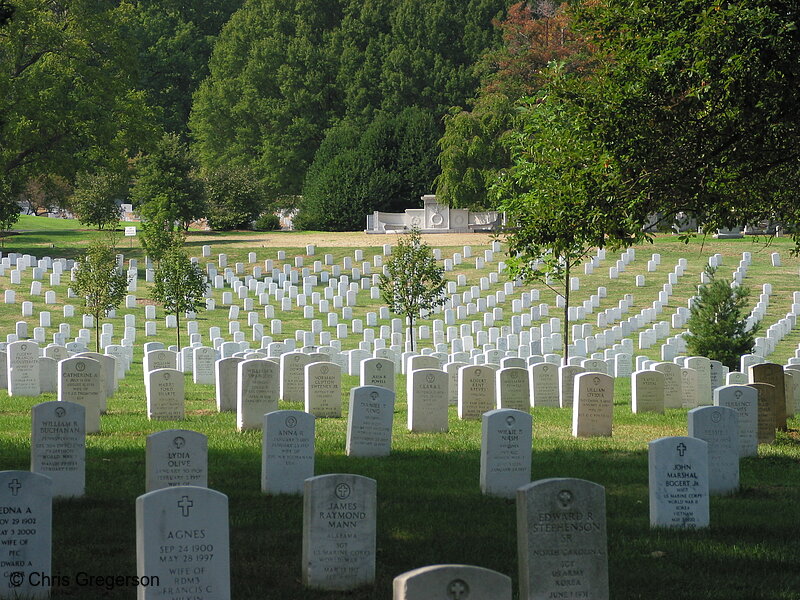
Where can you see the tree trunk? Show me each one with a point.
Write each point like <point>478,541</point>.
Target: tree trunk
<point>97,333</point>
<point>411,330</point>
<point>178,325</point>
<point>566,336</point>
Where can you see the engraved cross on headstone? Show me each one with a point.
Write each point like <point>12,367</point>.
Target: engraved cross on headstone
<point>14,486</point>
<point>457,590</point>
<point>185,504</point>
<point>681,449</point>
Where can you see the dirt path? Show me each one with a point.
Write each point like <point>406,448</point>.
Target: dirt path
<point>298,239</point>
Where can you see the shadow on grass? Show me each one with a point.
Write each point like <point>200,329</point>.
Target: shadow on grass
<point>430,510</point>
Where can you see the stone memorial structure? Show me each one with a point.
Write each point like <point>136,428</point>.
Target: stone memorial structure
<point>377,371</point>
<point>476,391</point>
<point>434,218</point>
<point>23,368</point>
<point>427,401</point>
<point>323,389</point>
<point>744,400</point>
<point>226,374</point>
<point>544,380</point>
<point>165,395</point>
<point>80,380</point>
<point>513,389</point>
<point>766,410</point>
<point>647,392</point>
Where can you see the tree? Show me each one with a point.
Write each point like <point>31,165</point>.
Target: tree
<point>557,197</point>
<point>166,193</point>
<point>95,198</point>
<point>174,42</point>
<point>9,212</point>
<point>535,35</point>
<point>413,282</point>
<point>6,12</point>
<point>718,325</point>
<point>387,165</point>
<point>46,193</point>
<point>698,100</point>
<point>180,285</point>
<point>99,280</point>
<point>283,73</point>
<point>234,198</point>
<point>69,100</point>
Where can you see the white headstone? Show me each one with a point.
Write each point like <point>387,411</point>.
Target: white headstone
<point>165,395</point>
<point>427,391</point>
<point>678,481</point>
<point>593,405</point>
<point>506,437</point>
<point>58,446</point>
<point>561,540</point>
<point>23,368</point>
<point>718,426</point>
<point>257,393</point>
<point>287,451</point>
<point>182,544</point>
<point>744,400</point>
<point>323,389</point>
<point>80,380</point>
<point>26,534</point>
<point>440,582</point>
<point>369,421</point>
<point>332,505</point>
<point>176,457</point>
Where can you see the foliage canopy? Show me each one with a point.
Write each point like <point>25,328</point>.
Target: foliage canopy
<point>413,281</point>
<point>718,325</point>
<point>101,283</point>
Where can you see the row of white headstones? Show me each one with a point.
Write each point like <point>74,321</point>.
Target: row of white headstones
<point>421,374</point>
<point>183,524</point>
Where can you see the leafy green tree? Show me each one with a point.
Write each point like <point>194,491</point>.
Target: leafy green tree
<point>95,198</point>
<point>718,325</point>
<point>234,198</point>
<point>282,73</point>
<point>180,286</point>
<point>9,212</point>
<point>6,12</point>
<point>102,284</point>
<point>46,193</point>
<point>557,198</point>
<point>270,94</point>
<point>472,149</point>
<point>386,166</point>
<point>698,101</point>
<point>69,91</point>
<point>166,193</point>
<point>414,282</point>
<point>174,44</point>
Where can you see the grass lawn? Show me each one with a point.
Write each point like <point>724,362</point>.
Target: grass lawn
<point>430,509</point>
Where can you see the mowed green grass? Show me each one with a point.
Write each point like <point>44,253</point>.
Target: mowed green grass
<point>430,509</point>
